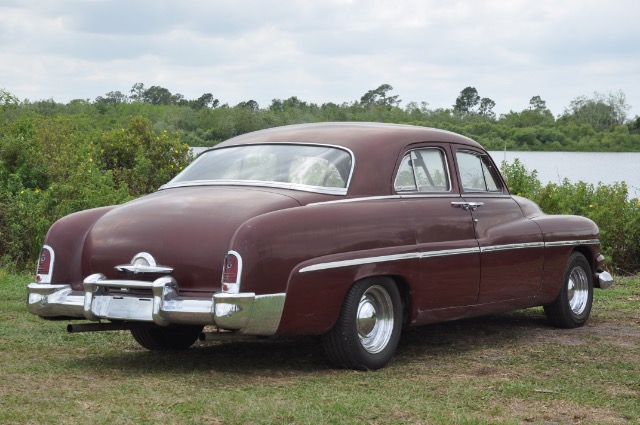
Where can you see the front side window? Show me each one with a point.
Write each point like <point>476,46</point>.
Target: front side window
<point>477,173</point>
<point>286,165</point>
<point>423,170</point>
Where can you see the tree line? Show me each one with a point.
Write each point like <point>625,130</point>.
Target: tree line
<point>589,123</point>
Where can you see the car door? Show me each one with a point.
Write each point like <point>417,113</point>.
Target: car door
<point>445,237</point>
<point>511,246</point>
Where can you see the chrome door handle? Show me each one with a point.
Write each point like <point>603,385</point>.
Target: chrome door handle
<point>468,205</point>
<point>474,205</point>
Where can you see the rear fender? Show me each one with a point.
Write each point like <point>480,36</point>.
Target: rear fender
<point>67,237</point>
<point>315,296</point>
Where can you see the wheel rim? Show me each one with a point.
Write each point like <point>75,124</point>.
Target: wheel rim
<point>578,290</point>
<point>375,319</point>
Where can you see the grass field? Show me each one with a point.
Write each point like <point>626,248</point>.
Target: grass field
<point>510,368</point>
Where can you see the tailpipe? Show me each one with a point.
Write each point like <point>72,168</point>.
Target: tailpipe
<point>105,327</point>
<point>225,336</point>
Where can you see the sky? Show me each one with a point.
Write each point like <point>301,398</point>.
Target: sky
<point>324,50</point>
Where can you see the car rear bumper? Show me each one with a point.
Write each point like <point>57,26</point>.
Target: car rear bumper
<point>246,313</point>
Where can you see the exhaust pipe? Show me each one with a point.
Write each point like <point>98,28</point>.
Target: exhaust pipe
<point>225,336</point>
<point>103,327</point>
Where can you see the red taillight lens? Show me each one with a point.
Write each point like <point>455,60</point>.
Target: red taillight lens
<point>44,265</point>
<point>231,272</point>
<point>231,268</point>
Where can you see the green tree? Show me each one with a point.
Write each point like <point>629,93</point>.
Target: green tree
<point>137,92</point>
<point>537,104</point>
<point>634,126</point>
<point>600,111</point>
<point>467,100</point>
<point>157,95</point>
<point>486,107</point>
<point>205,101</point>
<point>7,100</point>
<point>250,105</point>
<point>379,96</point>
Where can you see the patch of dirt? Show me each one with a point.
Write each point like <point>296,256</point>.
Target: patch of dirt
<point>560,412</point>
<point>518,327</point>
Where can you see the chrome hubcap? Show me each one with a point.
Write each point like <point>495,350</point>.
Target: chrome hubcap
<point>578,290</point>
<point>375,319</point>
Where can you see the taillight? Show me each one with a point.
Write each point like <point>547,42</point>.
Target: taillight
<point>45,265</point>
<point>231,272</point>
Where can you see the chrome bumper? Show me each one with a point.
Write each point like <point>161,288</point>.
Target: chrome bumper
<point>246,313</point>
<point>604,280</point>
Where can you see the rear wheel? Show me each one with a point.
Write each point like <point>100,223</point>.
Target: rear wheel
<point>167,338</point>
<point>573,305</point>
<point>367,332</point>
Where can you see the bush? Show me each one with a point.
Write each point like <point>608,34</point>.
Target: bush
<point>609,206</point>
<point>51,167</point>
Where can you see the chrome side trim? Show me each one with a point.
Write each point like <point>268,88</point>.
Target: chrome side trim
<point>445,252</point>
<point>575,242</point>
<point>439,253</point>
<point>512,246</point>
<point>359,261</point>
<point>387,258</point>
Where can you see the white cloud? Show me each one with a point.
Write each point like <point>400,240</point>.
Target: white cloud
<point>329,51</point>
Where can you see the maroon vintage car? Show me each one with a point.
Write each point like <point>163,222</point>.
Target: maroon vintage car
<point>351,231</point>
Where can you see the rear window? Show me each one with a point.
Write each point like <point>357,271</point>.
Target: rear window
<point>308,166</point>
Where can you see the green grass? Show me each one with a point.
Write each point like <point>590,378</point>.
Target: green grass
<point>510,368</point>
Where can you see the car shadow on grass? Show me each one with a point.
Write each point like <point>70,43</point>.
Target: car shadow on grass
<point>305,354</point>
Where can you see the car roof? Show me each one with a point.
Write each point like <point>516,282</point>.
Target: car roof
<point>376,146</point>
<point>351,135</point>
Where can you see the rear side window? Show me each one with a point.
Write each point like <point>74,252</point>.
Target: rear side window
<point>477,173</point>
<point>423,170</point>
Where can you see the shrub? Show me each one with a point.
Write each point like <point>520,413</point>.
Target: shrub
<point>51,167</point>
<point>609,206</point>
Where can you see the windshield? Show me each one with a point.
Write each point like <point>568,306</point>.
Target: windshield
<point>304,167</point>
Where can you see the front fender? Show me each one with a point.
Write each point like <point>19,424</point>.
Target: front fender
<point>564,234</point>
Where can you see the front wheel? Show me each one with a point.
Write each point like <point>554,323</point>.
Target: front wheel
<point>573,305</point>
<point>366,334</point>
<point>167,338</point>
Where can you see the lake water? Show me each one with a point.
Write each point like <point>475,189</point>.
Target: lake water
<point>590,167</point>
